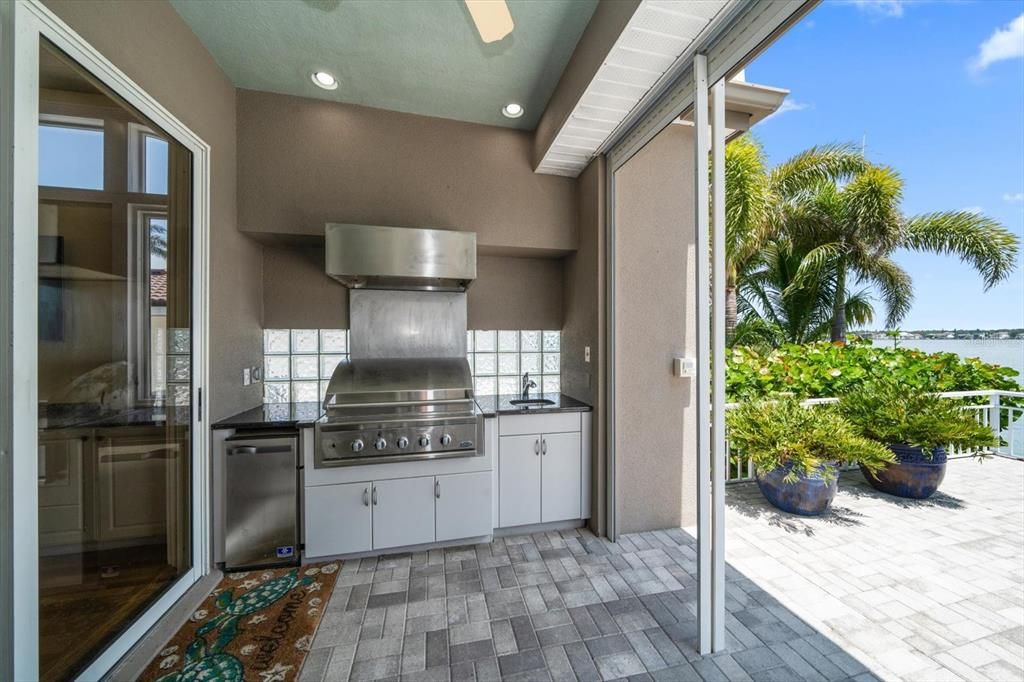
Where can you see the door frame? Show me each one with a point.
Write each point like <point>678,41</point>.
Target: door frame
<point>24,24</point>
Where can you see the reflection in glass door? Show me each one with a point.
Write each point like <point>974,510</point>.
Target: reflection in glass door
<point>115,352</point>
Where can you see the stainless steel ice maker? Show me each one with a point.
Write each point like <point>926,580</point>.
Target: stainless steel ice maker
<point>261,508</point>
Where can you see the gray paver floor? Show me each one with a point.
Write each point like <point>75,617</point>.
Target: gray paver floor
<point>916,590</point>
<point>557,606</point>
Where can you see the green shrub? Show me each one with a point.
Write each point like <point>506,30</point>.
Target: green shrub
<point>891,412</point>
<point>774,433</point>
<point>825,370</point>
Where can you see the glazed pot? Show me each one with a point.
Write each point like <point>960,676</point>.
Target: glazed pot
<point>913,475</point>
<point>809,495</point>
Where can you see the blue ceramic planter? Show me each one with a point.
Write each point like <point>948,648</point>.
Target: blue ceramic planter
<point>914,475</point>
<point>808,496</point>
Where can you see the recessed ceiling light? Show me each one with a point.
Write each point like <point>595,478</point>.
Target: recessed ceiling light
<point>324,80</point>
<point>512,110</point>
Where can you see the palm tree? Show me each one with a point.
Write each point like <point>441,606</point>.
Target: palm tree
<point>776,312</point>
<point>849,232</point>
<point>753,201</point>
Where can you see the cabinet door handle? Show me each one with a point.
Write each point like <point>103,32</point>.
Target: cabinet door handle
<point>375,496</point>
<point>366,497</point>
<point>544,446</point>
<point>437,489</point>
<point>536,447</point>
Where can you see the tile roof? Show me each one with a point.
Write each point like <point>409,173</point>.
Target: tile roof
<point>158,287</point>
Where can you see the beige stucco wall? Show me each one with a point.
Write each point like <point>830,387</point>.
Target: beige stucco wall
<point>509,293</point>
<point>165,58</point>
<point>304,162</point>
<point>654,322</point>
<point>584,323</point>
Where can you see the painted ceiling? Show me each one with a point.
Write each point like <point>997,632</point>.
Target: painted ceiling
<point>416,56</point>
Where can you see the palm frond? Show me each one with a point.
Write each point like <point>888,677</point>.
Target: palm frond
<point>976,239</point>
<point>893,284</point>
<point>828,163</point>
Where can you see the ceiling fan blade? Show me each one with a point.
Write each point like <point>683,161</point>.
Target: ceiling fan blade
<point>492,18</point>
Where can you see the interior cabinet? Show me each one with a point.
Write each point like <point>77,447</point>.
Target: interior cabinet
<point>403,512</point>
<point>342,520</point>
<point>62,488</point>
<point>462,504</point>
<point>134,472</point>
<point>519,476</point>
<point>560,477</point>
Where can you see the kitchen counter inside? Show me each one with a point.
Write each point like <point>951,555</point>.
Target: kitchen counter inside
<point>492,405</point>
<point>60,416</point>
<point>274,416</point>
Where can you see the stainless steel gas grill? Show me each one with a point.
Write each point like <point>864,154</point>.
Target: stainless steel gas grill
<point>398,409</point>
<point>406,393</point>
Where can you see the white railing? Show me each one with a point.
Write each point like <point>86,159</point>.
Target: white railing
<point>992,413</point>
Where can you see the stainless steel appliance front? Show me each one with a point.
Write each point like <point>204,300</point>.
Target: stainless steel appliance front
<point>261,507</point>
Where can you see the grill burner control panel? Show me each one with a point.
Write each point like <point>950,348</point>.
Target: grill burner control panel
<point>342,444</point>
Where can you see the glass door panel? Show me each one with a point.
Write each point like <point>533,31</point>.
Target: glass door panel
<point>115,355</point>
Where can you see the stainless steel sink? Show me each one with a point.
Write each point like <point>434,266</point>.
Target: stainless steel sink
<point>532,402</point>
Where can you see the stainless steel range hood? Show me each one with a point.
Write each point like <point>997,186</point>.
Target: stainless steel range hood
<point>378,257</point>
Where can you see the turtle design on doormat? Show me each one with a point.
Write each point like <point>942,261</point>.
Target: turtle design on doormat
<point>205,661</point>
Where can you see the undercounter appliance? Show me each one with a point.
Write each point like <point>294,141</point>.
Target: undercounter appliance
<point>406,391</point>
<point>261,510</point>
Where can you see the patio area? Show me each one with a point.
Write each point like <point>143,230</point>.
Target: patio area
<point>915,590</point>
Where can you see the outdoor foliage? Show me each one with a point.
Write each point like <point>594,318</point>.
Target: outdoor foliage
<point>893,413</point>
<point>776,433</point>
<point>825,370</point>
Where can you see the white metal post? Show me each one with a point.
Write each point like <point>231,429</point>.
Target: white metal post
<point>718,443</point>
<point>705,541</point>
<point>995,421</point>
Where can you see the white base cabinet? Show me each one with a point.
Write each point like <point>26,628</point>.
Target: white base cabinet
<point>541,469</point>
<point>338,516</point>
<point>462,506</point>
<point>347,518</point>
<point>560,477</point>
<point>403,512</point>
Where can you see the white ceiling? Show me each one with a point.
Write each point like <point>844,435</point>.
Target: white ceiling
<point>657,35</point>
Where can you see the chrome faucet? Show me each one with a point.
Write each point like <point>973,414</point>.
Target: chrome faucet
<point>528,383</point>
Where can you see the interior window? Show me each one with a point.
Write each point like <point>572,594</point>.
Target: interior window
<point>155,173</point>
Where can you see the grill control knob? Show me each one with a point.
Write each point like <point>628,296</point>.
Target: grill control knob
<point>357,445</point>
<point>446,440</point>
<point>424,440</point>
<point>380,443</point>
<point>403,442</point>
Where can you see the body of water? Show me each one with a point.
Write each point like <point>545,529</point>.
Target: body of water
<point>1004,352</point>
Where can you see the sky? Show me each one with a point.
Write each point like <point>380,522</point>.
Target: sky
<point>933,89</point>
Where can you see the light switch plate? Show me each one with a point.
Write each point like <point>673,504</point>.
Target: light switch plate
<point>586,353</point>
<point>246,376</point>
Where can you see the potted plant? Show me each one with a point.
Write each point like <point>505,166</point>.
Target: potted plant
<point>796,451</point>
<point>917,427</point>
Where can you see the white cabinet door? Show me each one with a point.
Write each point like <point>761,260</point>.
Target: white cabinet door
<point>561,476</point>
<point>403,512</point>
<point>463,505</point>
<point>519,480</point>
<point>338,519</point>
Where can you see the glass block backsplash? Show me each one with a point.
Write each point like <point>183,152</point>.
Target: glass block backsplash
<point>297,363</point>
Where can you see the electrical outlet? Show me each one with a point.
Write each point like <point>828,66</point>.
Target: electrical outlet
<point>586,353</point>
<point>246,376</point>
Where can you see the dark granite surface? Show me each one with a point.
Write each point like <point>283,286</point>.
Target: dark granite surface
<point>282,415</point>
<point>55,416</point>
<point>491,405</point>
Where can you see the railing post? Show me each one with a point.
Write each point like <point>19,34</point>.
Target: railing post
<point>995,419</point>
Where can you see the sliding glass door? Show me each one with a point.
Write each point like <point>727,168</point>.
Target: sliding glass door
<point>115,345</point>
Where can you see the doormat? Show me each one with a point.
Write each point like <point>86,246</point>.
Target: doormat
<point>256,626</point>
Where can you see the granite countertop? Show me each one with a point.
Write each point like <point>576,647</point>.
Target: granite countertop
<point>56,416</point>
<point>491,405</point>
<point>278,415</point>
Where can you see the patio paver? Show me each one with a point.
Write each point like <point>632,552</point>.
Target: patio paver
<point>914,590</point>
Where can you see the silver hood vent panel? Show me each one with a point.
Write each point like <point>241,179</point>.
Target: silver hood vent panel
<point>378,257</point>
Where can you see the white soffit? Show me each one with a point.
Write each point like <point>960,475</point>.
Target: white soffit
<point>657,35</point>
